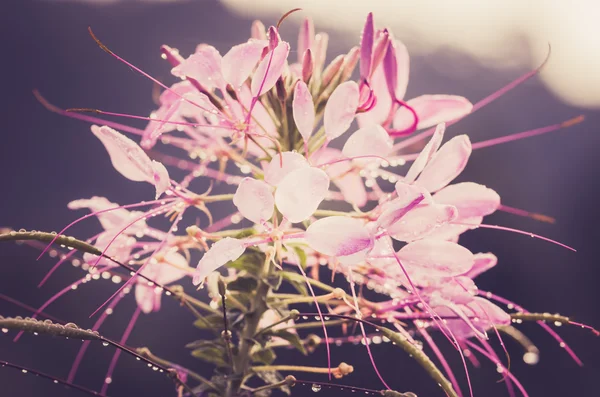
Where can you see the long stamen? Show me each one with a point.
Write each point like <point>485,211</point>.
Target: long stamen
<point>89,119</point>
<point>144,203</point>
<point>485,101</point>
<point>509,229</point>
<point>113,362</point>
<point>107,50</point>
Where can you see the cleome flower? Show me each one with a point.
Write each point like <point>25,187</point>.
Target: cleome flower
<point>300,191</point>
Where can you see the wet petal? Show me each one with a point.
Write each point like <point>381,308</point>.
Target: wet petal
<point>173,267</point>
<point>366,47</point>
<point>239,62</point>
<point>282,164</point>
<point>409,197</point>
<point>436,258</point>
<point>426,154</point>
<point>471,199</point>
<point>340,109</point>
<point>303,110</point>
<point>368,141</point>
<point>446,164</point>
<point>432,110</point>
<point>300,193</point>
<point>254,199</point>
<point>306,35</point>
<point>160,178</point>
<point>221,252</point>
<point>120,248</point>
<point>270,69</point>
<point>450,231</point>
<point>352,188</point>
<point>483,262</point>
<point>130,160</point>
<point>203,66</point>
<point>421,221</point>
<point>403,68</point>
<point>146,298</point>
<point>378,113</point>
<point>339,236</point>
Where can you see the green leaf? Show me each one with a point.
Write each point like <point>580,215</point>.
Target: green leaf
<point>296,280</point>
<point>264,356</point>
<point>212,354</point>
<point>301,253</point>
<point>201,343</point>
<point>243,284</point>
<point>251,261</point>
<point>209,322</point>
<point>292,338</point>
<point>274,281</point>
<point>272,377</point>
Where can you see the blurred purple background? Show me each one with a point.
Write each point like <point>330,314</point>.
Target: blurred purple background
<point>47,160</point>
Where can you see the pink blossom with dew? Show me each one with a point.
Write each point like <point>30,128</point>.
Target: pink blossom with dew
<point>257,127</point>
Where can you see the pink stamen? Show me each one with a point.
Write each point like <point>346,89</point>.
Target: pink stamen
<point>113,362</point>
<point>86,344</point>
<point>485,101</point>
<point>508,229</point>
<point>362,330</point>
<point>89,119</point>
<point>105,48</point>
<point>542,324</point>
<point>100,212</point>
<point>441,358</point>
<point>312,292</point>
<point>499,364</point>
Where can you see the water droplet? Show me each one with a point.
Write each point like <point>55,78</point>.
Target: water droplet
<point>563,344</point>
<point>24,371</point>
<point>104,344</point>
<point>316,388</point>
<point>55,381</point>
<point>557,323</point>
<point>5,330</point>
<point>108,380</point>
<point>22,230</point>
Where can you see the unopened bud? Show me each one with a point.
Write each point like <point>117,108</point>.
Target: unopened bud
<point>280,87</point>
<point>332,70</point>
<point>381,46</point>
<point>258,31</point>
<point>307,65</point>
<point>290,380</point>
<point>350,62</point>
<point>338,293</point>
<point>222,287</point>
<point>294,314</point>
<point>274,37</point>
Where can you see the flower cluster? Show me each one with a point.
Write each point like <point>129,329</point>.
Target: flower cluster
<point>267,130</point>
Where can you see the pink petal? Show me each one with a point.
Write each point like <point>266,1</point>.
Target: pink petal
<point>221,252</point>
<point>160,178</point>
<point>120,249</point>
<point>421,221</point>
<point>282,164</point>
<point>254,199</point>
<point>396,209</point>
<point>426,154</point>
<point>471,199</point>
<point>146,298</point>
<point>366,47</point>
<point>339,236</point>
<point>203,66</point>
<point>446,164</point>
<point>378,113</point>
<point>130,160</point>
<point>303,110</point>
<point>341,174</point>
<point>483,262</point>
<point>270,69</point>
<point>240,61</point>
<point>368,141</point>
<point>436,258</point>
<point>300,193</point>
<point>390,68</point>
<point>403,68</point>
<point>305,37</point>
<point>174,267</point>
<point>340,109</point>
<point>432,110</point>
<point>110,220</point>
<point>450,231</point>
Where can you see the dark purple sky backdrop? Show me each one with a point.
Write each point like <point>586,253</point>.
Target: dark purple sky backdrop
<point>47,160</point>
